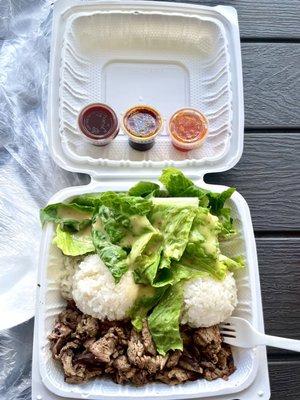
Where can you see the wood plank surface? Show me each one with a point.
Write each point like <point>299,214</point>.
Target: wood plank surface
<point>266,18</point>
<point>271,84</point>
<point>279,268</point>
<point>268,176</point>
<point>285,380</point>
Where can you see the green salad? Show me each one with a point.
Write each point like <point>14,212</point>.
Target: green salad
<point>164,236</point>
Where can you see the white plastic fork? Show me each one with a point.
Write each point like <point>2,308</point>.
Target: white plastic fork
<point>240,333</point>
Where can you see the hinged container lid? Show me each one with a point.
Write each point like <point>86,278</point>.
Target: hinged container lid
<point>166,55</point>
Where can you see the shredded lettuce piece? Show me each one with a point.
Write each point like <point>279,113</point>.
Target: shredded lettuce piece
<point>233,264</point>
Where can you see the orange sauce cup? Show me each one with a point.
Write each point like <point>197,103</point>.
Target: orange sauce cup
<point>188,129</point>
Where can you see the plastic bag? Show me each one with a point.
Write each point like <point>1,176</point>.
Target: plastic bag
<point>28,178</point>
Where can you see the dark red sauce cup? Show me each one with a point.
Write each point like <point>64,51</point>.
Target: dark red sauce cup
<point>99,123</point>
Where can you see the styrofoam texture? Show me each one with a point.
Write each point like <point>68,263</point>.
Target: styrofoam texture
<point>50,303</point>
<point>124,58</point>
<point>165,54</point>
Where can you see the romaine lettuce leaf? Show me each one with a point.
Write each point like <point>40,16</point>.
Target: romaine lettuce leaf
<point>181,272</point>
<point>194,257</point>
<point>74,244</point>
<point>113,256</point>
<point>124,204</point>
<point>144,189</point>
<point>204,231</point>
<point>116,225</point>
<point>216,204</point>
<point>144,257</point>
<point>233,264</point>
<point>71,217</point>
<point>88,199</point>
<point>143,305</point>
<point>139,226</point>
<point>226,221</point>
<point>163,322</point>
<point>176,201</point>
<point>178,185</point>
<point>174,223</point>
<point>217,200</point>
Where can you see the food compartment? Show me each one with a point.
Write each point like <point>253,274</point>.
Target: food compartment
<point>165,60</point>
<point>51,303</point>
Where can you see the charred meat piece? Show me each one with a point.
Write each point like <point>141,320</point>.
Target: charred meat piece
<point>103,348</point>
<point>141,377</point>
<point>122,364</point>
<point>206,336</point>
<point>176,375</point>
<point>87,327</point>
<point>124,376</point>
<point>136,355</point>
<point>190,363</point>
<point>60,331</point>
<point>58,338</point>
<point>173,359</point>
<point>147,340</point>
<point>70,317</point>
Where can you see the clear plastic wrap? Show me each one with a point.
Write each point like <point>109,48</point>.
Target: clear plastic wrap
<point>28,178</point>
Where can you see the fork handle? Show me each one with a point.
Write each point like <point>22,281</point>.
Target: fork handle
<point>279,342</point>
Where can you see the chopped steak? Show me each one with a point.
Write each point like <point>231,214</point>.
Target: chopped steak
<point>87,359</point>
<point>88,348</point>
<point>122,364</point>
<point>89,342</point>
<point>147,340</point>
<point>124,376</point>
<point>173,359</point>
<point>70,318</point>
<point>190,363</point>
<point>136,355</point>
<point>60,331</point>
<point>105,346</point>
<point>176,375</point>
<point>206,336</point>
<point>141,377</point>
<point>87,327</point>
<point>135,349</point>
<point>59,337</point>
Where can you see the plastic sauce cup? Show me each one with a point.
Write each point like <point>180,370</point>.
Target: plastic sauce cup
<point>99,123</point>
<point>188,128</point>
<point>142,124</point>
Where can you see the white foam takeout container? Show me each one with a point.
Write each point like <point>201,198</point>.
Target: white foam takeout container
<point>169,56</point>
